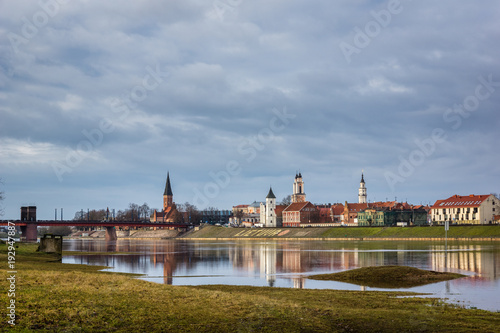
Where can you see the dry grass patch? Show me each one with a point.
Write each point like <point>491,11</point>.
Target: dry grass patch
<point>388,276</point>
<point>58,297</point>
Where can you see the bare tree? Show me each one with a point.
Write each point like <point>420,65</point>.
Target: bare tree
<point>60,230</point>
<point>145,211</point>
<point>286,200</point>
<point>92,215</point>
<point>239,214</point>
<point>192,214</point>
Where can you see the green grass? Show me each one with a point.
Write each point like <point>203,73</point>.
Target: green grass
<point>388,276</point>
<point>477,231</point>
<point>55,297</point>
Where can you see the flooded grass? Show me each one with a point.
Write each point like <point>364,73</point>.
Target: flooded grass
<point>388,276</point>
<point>51,296</point>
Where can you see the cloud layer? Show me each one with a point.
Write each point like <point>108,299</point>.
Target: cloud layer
<point>99,99</point>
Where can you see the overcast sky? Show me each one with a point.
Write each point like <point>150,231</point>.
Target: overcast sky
<point>99,99</point>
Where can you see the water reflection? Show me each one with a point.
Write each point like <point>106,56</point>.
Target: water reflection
<point>287,263</point>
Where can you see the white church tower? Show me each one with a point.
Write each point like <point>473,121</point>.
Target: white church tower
<point>362,190</point>
<point>298,189</point>
<point>270,209</point>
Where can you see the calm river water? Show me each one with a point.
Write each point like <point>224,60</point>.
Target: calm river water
<point>288,263</point>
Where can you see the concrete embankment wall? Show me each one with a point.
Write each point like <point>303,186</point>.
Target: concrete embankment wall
<point>130,234</point>
<point>461,233</point>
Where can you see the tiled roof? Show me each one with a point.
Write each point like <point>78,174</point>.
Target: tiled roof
<point>296,206</point>
<point>338,209</point>
<point>461,201</point>
<point>279,209</point>
<point>357,207</point>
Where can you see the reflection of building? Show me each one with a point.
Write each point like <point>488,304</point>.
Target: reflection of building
<point>472,209</point>
<point>468,257</point>
<point>268,262</point>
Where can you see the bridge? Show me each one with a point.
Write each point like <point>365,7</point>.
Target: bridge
<point>29,228</point>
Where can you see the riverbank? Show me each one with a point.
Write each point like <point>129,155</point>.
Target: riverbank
<point>130,234</point>
<point>61,297</point>
<point>478,233</point>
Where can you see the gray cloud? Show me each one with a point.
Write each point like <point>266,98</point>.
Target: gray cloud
<point>226,73</point>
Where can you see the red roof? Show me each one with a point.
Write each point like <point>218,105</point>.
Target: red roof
<point>241,206</point>
<point>297,206</point>
<point>279,209</point>
<point>356,207</point>
<point>461,201</point>
<point>338,209</point>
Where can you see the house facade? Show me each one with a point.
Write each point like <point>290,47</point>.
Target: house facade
<point>471,209</point>
<point>300,213</point>
<point>385,216</point>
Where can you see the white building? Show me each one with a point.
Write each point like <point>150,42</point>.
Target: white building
<point>362,190</point>
<point>268,216</point>
<point>472,209</point>
<point>298,194</point>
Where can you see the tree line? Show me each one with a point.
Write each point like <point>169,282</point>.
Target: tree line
<point>186,213</point>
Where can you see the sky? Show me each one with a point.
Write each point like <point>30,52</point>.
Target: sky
<point>100,99</point>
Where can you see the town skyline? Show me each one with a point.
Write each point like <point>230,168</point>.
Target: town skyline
<point>98,101</point>
<point>47,213</point>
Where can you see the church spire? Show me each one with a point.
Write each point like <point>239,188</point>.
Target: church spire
<point>271,195</point>
<point>362,190</point>
<point>168,189</point>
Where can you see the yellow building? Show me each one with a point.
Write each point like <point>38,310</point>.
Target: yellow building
<point>471,209</point>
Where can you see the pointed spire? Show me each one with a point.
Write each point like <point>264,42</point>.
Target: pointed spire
<point>362,178</point>
<point>270,195</point>
<point>168,189</point>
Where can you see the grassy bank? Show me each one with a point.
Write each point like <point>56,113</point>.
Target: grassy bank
<point>388,276</point>
<point>459,232</point>
<point>59,297</point>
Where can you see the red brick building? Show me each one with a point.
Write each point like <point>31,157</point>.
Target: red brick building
<point>169,212</point>
<point>300,213</point>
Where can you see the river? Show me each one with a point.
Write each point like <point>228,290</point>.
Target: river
<point>287,264</point>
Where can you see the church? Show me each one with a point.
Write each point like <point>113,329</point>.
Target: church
<point>169,212</point>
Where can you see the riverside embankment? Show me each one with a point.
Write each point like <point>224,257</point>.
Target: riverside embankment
<point>478,233</point>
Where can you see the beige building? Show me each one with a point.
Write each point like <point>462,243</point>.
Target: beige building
<point>471,209</point>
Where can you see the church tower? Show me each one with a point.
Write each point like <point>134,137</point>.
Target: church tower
<point>168,196</point>
<point>362,190</point>
<point>298,189</point>
<point>270,209</point>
